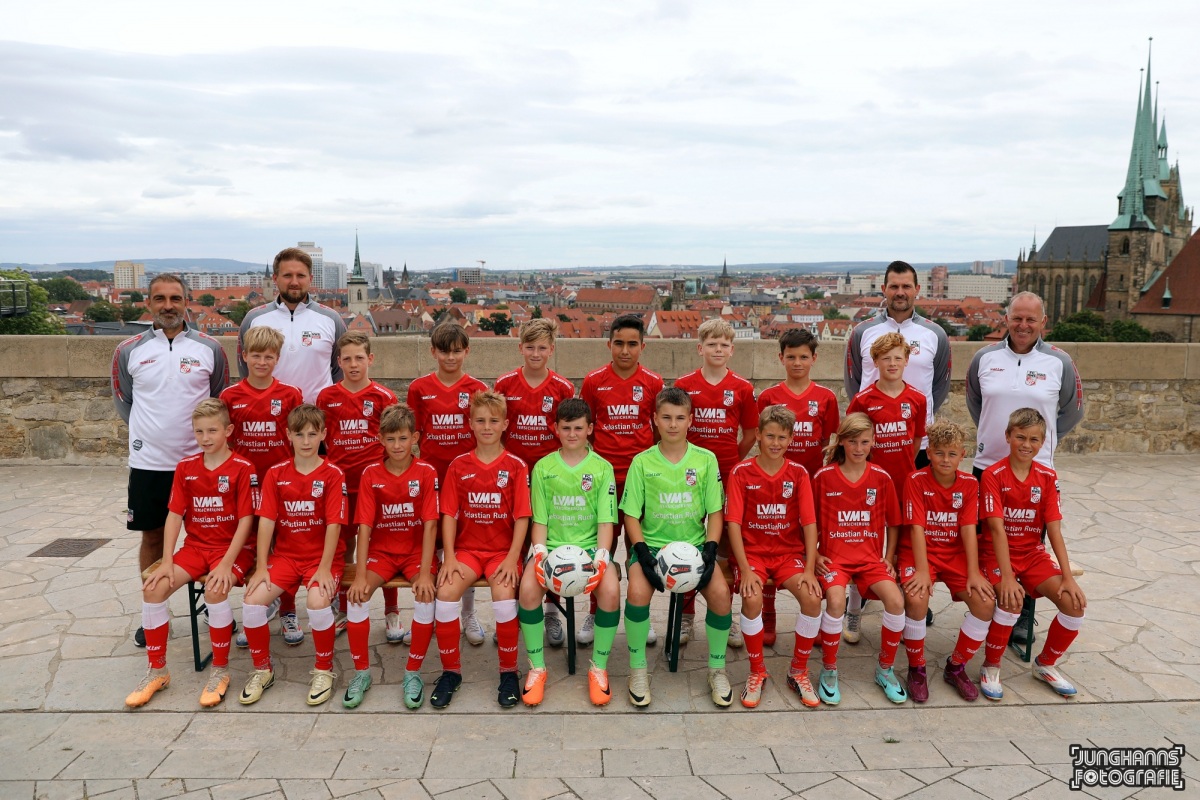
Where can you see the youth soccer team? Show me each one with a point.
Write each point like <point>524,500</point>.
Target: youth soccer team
<point>506,475</point>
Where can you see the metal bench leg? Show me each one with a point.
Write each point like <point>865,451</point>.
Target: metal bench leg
<point>1028,612</point>
<point>195,608</point>
<point>674,626</point>
<point>570,615</point>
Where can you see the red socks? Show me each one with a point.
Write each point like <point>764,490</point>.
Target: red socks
<point>359,633</point>
<point>220,645</point>
<point>422,632</point>
<point>447,637</point>
<point>506,640</point>
<point>156,645</point>
<point>391,600</point>
<point>259,639</point>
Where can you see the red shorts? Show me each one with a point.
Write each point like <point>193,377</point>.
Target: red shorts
<point>197,561</point>
<point>290,574</point>
<point>864,576</point>
<point>775,568</point>
<point>484,563</point>
<point>1031,569</point>
<point>950,569</point>
<point>388,566</point>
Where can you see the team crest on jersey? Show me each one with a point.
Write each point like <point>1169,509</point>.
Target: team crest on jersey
<point>502,478</point>
<point>914,347</point>
<point>186,363</point>
<point>909,572</point>
<point>1033,376</point>
<point>414,488</point>
<point>276,408</point>
<point>308,337</point>
<point>547,403</point>
<point>729,397</point>
<point>464,399</point>
<point>318,488</point>
<point>690,477</point>
<point>368,407</point>
<point>223,484</point>
<point>814,408</point>
<point>956,500</point>
<point>870,497</point>
<point>586,483</point>
<point>1035,494</point>
<point>788,488</point>
<point>905,410</point>
<point>637,394</point>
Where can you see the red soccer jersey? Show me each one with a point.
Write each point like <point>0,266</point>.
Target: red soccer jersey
<point>211,501</point>
<point>302,506</point>
<point>853,518</point>
<point>624,414</point>
<point>1025,506</point>
<point>899,425</point>
<point>719,412</point>
<point>259,420</point>
<point>772,510</point>
<point>531,412</point>
<point>352,419</point>
<point>487,500</point>
<point>396,507</point>
<point>941,511</point>
<point>816,411</point>
<point>443,418</point>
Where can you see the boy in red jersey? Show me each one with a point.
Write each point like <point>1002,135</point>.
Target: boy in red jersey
<point>773,535</point>
<point>856,508</point>
<point>211,496</point>
<point>486,510</point>
<point>722,408</point>
<point>439,402</point>
<point>352,409</point>
<point>304,502</point>
<point>259,405</point>
<point>816,410</point>
<point>1020,505</point>
<point>532,394</point>
<point>941,510</point>
<point>898,412</point>
<point>397,520</point>
<point>621,396</point>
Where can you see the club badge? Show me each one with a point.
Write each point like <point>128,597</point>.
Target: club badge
<point>1035,494</point>
<point>914,347</point>
<point>909,572</point>
<point>870,497</point>
<point>814,408</point>
<point>368,407</point>
<point>276,408</point>
<point>414,488</point>
<point>788,488</point>
<point>186,363</point>
<point>318,488</point>
<point>464,399</point>
<point>223,484</point>
<point>956,500</point>
<point>1033,376</point>
<point>728,397</point>
<point>586,483</point>
<point>308,337</point>
<point>905,410</point>
<point>502,478</point>
<point>690,477</point>
<point>637,394</point>
<point>547,404</point>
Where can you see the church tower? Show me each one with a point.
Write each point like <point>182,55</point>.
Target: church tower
<point>357,288</point>
<point>725,282</point>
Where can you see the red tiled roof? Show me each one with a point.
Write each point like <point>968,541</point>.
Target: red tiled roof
<point>1183,274</point>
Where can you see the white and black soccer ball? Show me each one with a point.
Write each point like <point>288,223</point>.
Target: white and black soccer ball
<point>680,565</point>
<point>568,569</point>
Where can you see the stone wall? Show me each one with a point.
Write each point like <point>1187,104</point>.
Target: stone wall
<point>56,405</point>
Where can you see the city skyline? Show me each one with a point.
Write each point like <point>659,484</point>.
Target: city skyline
<point>534,137</point>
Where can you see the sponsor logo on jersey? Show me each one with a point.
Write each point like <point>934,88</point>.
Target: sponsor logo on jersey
<point>814,408</point>
<point>1033,376</point>
<point>464,399</point>
<point>352,425</point>
<point>870,497</point>
<point>979,447</point>
<point>447,420</point>
<point>531,421</point>
<point>728,397</point>
<point>674,498</point>
<point>299,506</point>
<point>368,407</point>
<point>137,444</point>
<point>414,488</point>
<point>147,361</point>
<point>690,477</point>
<point>788,488</point>
<point>715,414</point>
<point>772,509</point>
<point>223,484</point>
<point>483,498</point>
<point>941,518</point>
<point>638,393</point>
<point>885,428</point>
<point>914,347</point>
<point>570,501</point>
<point>236,406</point>
<point>1035,494</point>
<point>318,488</point>
<point>956,500</point>
<point>258,426</point>
<point>905,410</point>
<point>276,409</point>
<point>856,515</point>
<point>214,503</point>
<point>802,428</point>
<point>186,363</point>
<point>547,403</point>
<point>586,482</point>
<point>397,509</point>
<point>622,411</point>
<point>1020,514</point>
<point>502,478</point>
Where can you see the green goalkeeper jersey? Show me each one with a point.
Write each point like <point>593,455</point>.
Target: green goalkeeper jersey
<point>673,500</point>
<point>572,501</point>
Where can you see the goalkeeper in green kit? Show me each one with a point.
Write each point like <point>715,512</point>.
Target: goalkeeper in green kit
<point>574,496</point>
<point>673,493</point>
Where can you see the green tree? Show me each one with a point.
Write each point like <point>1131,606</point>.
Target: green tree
<point>536,313</point>
<point>667,303</point>
<point>458,295</point>
<point>207,300</point>
<point>497,323</point>
<point>136,297</point>
<point>102,311</point>
<point>1126,330</point>
<point>130,312</point>
<point>946,326</point>
<point>563,318</point>
<point>1089,318</point>
<point>1073,332</point>
<point>238,312</point>
<point>64,290</point>
<point>831,312</point>
<point>976,333</point>
<point>39,321</point>
<point>816,295</point>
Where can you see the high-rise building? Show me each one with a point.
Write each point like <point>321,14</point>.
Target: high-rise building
<point>333,276</point>
<point>129,275</point>
<point>471,276</point>
<point>317,254</point>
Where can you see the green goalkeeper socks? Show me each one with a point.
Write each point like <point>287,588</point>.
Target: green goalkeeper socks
<point>716,626</point>
<point>637,628</point>
<point>606,632</point>
<point>533,628</point>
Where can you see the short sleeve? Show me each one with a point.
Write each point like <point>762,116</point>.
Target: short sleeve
<point>1051,510</point>
<point>808,509</point>
<point>429,496</point>
<point>749,409</point>
<point>537,496</point>
<point>268,506</point>
<point>606,507</point>
<point>364,509</point>
<point>830,419</point>
<point>990,503</point>
<point>245,491</point>
<point>520,486</point>
<point>449,495</point>
<point>914,502</point>
<point>714,495</point>
<point>633,501</point>
<point>178,504</point>
<point>893,504</point>
<point>734,498</point>
<point>970,509</point>
<point>335,501</point>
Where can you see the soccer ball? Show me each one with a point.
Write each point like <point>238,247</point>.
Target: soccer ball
<point>568,569</point>
<point>679,566</point>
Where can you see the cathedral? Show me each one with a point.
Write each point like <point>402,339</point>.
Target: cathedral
<point>1114,269</point>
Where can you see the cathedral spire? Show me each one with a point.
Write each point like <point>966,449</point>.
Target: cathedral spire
<point>404,275</point>
<point>357,260</point>
<point>1142,172</point>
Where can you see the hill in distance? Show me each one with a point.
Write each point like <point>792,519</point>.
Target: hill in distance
<point>228,265</point>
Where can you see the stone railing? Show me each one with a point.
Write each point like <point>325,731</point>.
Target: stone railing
<point>57,408</point>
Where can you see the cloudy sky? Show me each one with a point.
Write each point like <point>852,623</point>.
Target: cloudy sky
<point>559,134</point>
